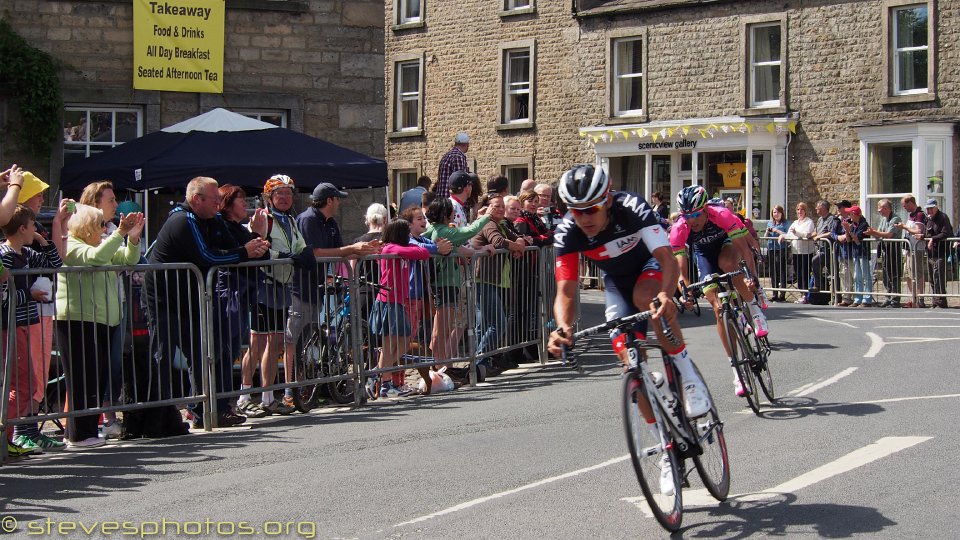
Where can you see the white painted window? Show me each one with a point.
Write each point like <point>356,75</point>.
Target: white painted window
<point>628,76</point>
<point>277,118</point>
<point>517,90</point>
<point>409,11</point>
<point>911,49</point>
<point>516,174</point>
<point>509,5</point>
<point>765,65</point>
<point>91,130</point>
<point>407,95</point>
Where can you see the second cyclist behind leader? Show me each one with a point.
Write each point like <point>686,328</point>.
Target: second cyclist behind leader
<point>620,232</point>
<point>719,243</point>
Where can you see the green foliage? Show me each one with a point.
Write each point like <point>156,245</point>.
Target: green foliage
<point>29,76</point>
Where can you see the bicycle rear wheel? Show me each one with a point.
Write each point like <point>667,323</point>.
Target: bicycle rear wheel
<point>761,369</point>
<point>743,356</point>
<point>307,367</point>
<point>713,465</point>
<point>649,448</point>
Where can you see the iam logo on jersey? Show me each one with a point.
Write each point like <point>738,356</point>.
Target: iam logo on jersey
<point>619,246</point>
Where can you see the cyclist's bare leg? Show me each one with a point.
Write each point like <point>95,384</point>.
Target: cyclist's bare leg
<point>711,295</point>
<point>729,261</point>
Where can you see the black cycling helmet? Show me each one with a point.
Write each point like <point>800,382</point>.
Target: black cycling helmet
<point>583,184</point>
<point>691,199</point>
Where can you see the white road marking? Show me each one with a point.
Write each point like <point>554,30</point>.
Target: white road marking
<point>846,404</point>
<point>907,318</point>
<point>481,500</point>
<point>811,388</point>
<point>876,343</point>
<point>919,326</point>
<point>834,322</point>
<point>858,458</point>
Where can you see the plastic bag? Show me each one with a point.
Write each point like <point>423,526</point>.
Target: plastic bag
<point>440,382</point>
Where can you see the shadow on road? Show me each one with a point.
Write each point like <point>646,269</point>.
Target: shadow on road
<point>789,408</point>
<point>779,515</point>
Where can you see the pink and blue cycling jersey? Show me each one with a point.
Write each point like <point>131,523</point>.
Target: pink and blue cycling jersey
<point>721,225</point>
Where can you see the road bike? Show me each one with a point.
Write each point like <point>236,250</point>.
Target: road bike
<point>751,353</point>
<point>326,350</point>
<point>663,438</point>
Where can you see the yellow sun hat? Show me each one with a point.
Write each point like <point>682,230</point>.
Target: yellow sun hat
<point>31,186</point>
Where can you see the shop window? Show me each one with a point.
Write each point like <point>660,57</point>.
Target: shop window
<point>91,130</point>
<point>408,96</point>
<point>277,118</point>
<point>627,81</point>
<point>517,89</point>
<point>765,65</point>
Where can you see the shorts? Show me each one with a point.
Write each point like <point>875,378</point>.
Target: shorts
<point>618,297</point>
<point>302,313</point>
<point>389,319</point>
<point>915,265</point>
<point>267,320</point>
<point>445,296</point>
<point>707,257</point>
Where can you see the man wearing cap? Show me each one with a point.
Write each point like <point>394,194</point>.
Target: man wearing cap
<point>454,160</point>
<point>826,222</point>
<point>461,187</point>
<point>938,230</point>
<point>843,253</point>
<point>916,266</point>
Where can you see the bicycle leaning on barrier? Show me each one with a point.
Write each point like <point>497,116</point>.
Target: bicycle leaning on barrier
<point>660,435</point>
<point>750,353</point>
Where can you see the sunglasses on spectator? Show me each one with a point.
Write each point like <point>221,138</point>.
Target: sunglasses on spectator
<point>588,211</point>
<point>693,215</point>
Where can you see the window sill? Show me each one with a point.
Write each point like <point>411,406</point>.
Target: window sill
<point>514,125</point>
<point>631,119</point>
<point>763,111</point>
<point>518,11</point>
<point>407,26</point>
<point>405,134</point>
<point>911,98</point>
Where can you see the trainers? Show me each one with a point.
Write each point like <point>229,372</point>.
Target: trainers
<point>371,388</point>
<point>288,401</point>
<point>760,323</point>
<point>91,442</point>
<point>27,443</point>
<point>278,407</point>
<point>405,390</point>
<point>112,430</point>
<point>385,388</point>
<point>666,476</point>
<point>695,399</point>
<point>229,419</point>
<point>14,450</point>
<point>49,443</point>
<point>252,409</point>
<point>738,388</point>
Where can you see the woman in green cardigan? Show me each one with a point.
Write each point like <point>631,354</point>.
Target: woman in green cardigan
<point>449,275</point>
<point>88,307</point>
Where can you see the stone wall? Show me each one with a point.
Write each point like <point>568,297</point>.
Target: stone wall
<point>695,64</point>
<point>321,61</point>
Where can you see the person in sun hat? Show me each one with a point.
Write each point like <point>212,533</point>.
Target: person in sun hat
<point>936,234</point>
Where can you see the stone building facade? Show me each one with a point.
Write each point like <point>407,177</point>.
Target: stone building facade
<point>771,102</point>
<point>313,66</point>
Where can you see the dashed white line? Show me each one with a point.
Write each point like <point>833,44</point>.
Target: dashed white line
<point>809,389</point>
<point>834,322</point>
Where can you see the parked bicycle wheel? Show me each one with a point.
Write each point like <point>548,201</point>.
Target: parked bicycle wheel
<point>713,465</point>
<point>649,453</point>
<point>308,366</point>
<point>743,356</point>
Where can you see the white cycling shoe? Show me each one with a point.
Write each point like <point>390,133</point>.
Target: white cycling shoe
<point>696,400</point>
<point>666,476</point>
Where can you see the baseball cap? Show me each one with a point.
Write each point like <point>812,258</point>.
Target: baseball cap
<point>31,186</point>
<point>462,138</point>
<point>325,190</point>
<point>856,210</point>
<point>459,180</point>
<point>931,203</point>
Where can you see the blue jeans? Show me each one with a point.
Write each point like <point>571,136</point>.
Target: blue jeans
<point>491,317</point>
<point>862,280</point>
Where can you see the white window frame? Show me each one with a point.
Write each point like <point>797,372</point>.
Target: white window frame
<point>400,185</point>
<point>755,65</point>
<point>510,88</point>
<point>896,51</point>
<point>259,114</point>
<point>918,136</point>
<point>401,98</point>
<point>402,10</point>
<point>512,5</point>
<point>88,144</point>
<point>619,77</point>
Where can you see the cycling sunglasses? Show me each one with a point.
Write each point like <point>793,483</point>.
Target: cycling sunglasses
<point>693,215</point>
<point>588,211</point>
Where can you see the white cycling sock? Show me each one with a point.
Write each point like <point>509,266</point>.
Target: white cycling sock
<point>267,398</point>
<point>736,378</point>
<point>685,365</point>
<point>244,398</point>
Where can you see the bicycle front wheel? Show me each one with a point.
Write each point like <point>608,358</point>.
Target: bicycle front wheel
<point>743,356</point>
<point>308,367</point>
<point>761,369</point>
<point>655,461</point>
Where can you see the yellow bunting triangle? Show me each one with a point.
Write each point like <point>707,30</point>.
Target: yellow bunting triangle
<point>671,131</point>
<point>685,130</point>
<point>771,128</point>
<point>655,136</point>
<point>792,126</point>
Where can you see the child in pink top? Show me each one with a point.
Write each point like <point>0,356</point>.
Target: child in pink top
<point>388,317</point>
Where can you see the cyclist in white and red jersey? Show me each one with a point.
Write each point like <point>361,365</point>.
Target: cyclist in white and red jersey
<point>718,239</point>
<point>622,234</point>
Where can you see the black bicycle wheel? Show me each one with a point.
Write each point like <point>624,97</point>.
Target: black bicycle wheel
<point>307,367</point>
<point>650,451</point>
<point>761,370</point>
<point>712,464</point>
<point>743,357</point>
